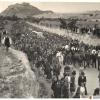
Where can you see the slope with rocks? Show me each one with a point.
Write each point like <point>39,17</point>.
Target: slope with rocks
<point>16,78</point>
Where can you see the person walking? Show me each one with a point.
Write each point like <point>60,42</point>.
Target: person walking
<point>7,41</point>
<point>94,56</point>
<point>56,87</point>
<point>98,59</point>
<point>82,81</point>
<point>66,80</point>
<point>72,84</point>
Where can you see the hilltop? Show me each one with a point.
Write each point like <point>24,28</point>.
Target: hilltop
<point>22,10</point>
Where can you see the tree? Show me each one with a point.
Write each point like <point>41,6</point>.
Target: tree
<point>72,24</point>
<point>63,23</point>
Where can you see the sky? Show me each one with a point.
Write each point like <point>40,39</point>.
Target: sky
<point>59,6</point>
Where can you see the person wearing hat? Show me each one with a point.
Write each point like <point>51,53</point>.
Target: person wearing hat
<point>56,87</point>
<point>65,88</point>
<point>94,57</point>
<point>66,82</point>
<point>82,81</point>
<point>72,85</point>
<point>7,41</point>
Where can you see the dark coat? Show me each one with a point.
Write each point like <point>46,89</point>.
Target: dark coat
<point>81,80</point>
<point>64,88</point>
<point>56,87</point>
<point>7,42</point>
<point>72,85</point>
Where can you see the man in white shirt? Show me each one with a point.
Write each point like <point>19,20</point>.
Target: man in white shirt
<point>60,57</point>
<point>94,57</point>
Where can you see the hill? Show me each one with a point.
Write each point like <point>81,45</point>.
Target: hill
<point>22,10</point>
<point>16,78</point>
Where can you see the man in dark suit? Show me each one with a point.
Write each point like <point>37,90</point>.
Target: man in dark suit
<point>82,80</point>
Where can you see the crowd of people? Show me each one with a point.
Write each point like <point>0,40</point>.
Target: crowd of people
<point>83,57</point>
<point>66,86</point>
<point>53,51</point>
<point>54,54</point>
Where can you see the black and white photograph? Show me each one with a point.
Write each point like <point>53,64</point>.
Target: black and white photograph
<point>49,49</point>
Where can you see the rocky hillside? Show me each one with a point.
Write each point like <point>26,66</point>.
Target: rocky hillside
<point>16,78</point>
<point>22,10</point>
